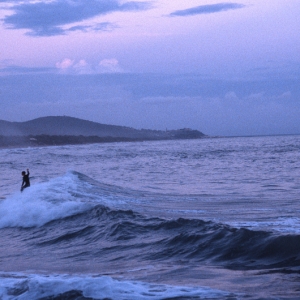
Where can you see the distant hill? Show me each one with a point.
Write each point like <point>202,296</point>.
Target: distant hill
<point>64,126</point>
<point>41,129</point>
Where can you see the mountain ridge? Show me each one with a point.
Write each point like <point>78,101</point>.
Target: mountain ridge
<point>62,125</point>
<point>59,130</point>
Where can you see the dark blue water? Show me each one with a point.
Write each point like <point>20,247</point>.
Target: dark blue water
<point>205,219</point>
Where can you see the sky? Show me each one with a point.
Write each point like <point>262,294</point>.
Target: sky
<point>225,68</point>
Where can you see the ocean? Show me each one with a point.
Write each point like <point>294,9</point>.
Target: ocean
<point>214,218</point>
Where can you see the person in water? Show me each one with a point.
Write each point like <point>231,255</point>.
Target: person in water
<point>26,182</point>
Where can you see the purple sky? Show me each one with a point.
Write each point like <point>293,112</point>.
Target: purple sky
<point>225,68</point>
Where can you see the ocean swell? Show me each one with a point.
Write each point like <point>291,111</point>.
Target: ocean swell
<point>75,215</point>
<point>125,234</point>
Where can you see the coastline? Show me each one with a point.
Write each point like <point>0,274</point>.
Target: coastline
<point>60,140</point>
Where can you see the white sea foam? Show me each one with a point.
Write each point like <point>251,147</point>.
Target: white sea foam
<point>44,202</point>
<point>24,287</point>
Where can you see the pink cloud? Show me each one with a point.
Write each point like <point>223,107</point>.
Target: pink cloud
<point>64,64</point>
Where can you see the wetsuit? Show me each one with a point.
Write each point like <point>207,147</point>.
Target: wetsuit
<point>26,182</point>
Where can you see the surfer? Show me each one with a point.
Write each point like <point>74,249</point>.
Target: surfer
<point>26,182</point>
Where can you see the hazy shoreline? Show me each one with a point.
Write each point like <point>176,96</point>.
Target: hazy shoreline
<point>61,140</point>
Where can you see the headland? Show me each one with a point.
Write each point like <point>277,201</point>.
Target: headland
<point>64,130</point>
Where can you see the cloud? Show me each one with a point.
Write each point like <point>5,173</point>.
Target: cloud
<point>69,66</point>
<point>65,64</point>
<point>104,26</point>
<point>49,18</point>
<point>206,9</point>
<point>109,66</point>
